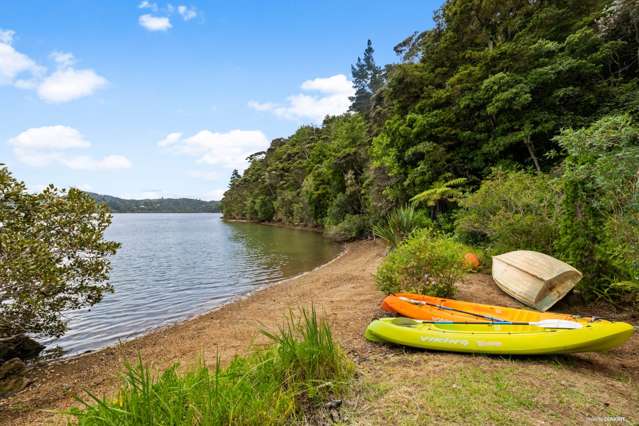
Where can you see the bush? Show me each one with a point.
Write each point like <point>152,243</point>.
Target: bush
<point>274,386</point>
<point>600,215</point>
<point>400,224</point>
<point>352,227</point>
<point>425,263</point>
<point>52,254</point>
<point>512,210</point>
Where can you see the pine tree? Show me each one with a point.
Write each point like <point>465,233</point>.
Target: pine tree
<point>235,177</point>
<point>367,79</point>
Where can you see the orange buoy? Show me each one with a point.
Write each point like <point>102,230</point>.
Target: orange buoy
<point>471,260</point>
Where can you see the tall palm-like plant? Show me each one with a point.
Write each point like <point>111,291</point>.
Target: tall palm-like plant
<point>400,224</point>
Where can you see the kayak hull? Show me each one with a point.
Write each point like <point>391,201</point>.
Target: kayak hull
<point>408,305</point>
<point>500,339</point>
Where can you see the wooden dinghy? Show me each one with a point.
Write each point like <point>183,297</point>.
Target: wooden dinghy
<point>534,278</point>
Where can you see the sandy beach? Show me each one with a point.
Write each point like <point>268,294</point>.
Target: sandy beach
<point>344,292</point>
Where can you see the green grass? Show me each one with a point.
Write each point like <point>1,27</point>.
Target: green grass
<point>501,394</point>
<point>475,396</point>
<point>282,384</point>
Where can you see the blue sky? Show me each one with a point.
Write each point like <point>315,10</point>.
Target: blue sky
<point>145,99</point>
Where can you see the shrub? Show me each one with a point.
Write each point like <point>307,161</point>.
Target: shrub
<point>400,224</point>
<point>352,227</point>
<point>274,386</point>
<point>512,210</point>
<point>338,209</point>
<point>53,256</point>
<point>426,263</point>
<point>600,214</point>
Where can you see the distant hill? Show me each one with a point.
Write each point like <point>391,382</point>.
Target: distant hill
<point>160,205</point>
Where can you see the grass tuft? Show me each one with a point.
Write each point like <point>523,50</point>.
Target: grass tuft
<point>301,370</point>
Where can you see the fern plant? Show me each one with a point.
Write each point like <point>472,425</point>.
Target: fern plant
<point>442,191</point>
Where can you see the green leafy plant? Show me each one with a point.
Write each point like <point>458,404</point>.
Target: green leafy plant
<point>53,256</point>
<point>400,224</point>
<point>600,210</point>
<point>512,210</point>
<point>352,227</point>
<point>426,263</point>
<point>442,191</point>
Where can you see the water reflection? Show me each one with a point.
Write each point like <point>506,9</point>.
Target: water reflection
<point>173,266</point>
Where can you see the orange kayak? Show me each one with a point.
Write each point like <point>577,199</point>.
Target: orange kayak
<point>431,308</point>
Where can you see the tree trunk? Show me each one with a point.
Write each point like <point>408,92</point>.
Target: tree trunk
<point>531,151</point>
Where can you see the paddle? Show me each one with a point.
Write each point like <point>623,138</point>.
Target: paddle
<point>447,308</point>
<point>550,323</point>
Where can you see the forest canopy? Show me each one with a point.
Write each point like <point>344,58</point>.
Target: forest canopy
<point>493,87</point>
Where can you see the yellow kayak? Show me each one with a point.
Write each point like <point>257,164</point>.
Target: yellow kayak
<point>487,338</point>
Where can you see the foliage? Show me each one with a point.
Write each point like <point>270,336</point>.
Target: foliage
<point>512,210</point>
<point>315,177</point>
<point>600,216</point>
<point>157,205</point>
<point>53,256</point>
<point>401,223</point>
<point>273,386</point>
<point>490,86</point>
<point>352,227</point>
<point>368,78</point>
<point>441,193</point>
<point>426,264</point>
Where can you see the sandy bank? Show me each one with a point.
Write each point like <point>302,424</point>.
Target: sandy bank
<point>395,383</point>
<point>342,289</point>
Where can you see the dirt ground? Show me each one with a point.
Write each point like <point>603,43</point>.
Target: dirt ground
<point>394,386</point>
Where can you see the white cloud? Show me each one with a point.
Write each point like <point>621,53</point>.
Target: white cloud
<point>148,5</point>
<point>6,36</point>
<point>332,100</point>
<point>155,23</point>
<point>63,85</point>
<point>16,68</point>
<point>63,59</point>
<point>186,12</point>
<point>68,84</point>
<point>335,85</point>
<point>170,139</point>
<point>228,149</point>
<point>42,146</point>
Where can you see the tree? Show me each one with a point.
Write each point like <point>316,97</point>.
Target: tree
<point>235,176</point>
<point>600,211</point>
<point>53,256</point>
<point>367,80</point>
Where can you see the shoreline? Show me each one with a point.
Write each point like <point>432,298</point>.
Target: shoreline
<point>232,300</point>
<point>317,229</point>
<point>343,292</point>
<point>225,331</point>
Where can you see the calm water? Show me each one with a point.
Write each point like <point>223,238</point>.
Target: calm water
<point>173,266</point>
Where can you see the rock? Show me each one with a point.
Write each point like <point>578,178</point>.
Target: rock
<point>19,346</point>
<point>12,367</point>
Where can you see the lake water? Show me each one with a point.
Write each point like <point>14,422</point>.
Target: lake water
<point>173,266</point>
